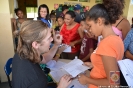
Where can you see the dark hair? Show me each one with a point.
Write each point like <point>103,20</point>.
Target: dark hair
<point>52,14</point>
<point>16,10</point>
<point>60,17</point>
<point>97,11</point>
<point>71,13</point>
<point>44,6</point>
<point>114,8</point>
<point>64,7</point>
<point>83,19</point>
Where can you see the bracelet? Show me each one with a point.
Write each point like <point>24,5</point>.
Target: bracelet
<point>58,55</point>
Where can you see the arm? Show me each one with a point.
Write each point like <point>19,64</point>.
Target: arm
<point>15,32</point>
<point>125,26</point>
<point>81,33</point>
<point>60,50</point>
<point>50,54</point>
<point>110,64</point>
<point>128,55</point>
<point>14,25</point>
<point>88,56</point>
<point>77,41</point>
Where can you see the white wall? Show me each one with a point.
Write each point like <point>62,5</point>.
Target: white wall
<point>6,42</point>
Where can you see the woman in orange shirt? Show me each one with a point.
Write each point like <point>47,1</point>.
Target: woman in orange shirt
<point>105,71</point>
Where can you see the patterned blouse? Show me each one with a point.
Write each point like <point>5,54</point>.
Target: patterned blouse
<point>128,42</point>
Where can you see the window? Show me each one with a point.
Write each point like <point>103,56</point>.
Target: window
<point>32,12</point>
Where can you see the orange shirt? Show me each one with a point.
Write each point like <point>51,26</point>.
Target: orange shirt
<point>110,46</point>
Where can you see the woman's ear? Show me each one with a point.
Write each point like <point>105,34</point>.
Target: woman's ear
<point>35,45</point>
<point>100,21</point>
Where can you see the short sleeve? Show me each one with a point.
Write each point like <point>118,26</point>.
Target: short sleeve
<point>107,48</point>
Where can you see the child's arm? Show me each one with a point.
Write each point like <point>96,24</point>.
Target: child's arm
<point>81,32</point>
<point>88,56</point>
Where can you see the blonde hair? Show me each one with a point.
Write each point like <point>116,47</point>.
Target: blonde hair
<point>31,31</point>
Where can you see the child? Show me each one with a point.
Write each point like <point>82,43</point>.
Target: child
<point>60,22</point>
<point>88,43</point>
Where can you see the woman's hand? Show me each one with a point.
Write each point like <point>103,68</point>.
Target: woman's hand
<point>89,64</point>
<point>72,44</point>
<point>57,39</point>
<point>64,81</point>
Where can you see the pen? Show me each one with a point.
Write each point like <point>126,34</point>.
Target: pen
<point>72,86</point>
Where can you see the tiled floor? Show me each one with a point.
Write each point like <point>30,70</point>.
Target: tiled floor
<point>4,85</point>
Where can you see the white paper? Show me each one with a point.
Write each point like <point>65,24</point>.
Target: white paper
<point>75,83</point>
<point>68,49</point>
<point>56,75</point>
<point>75,67</point>
<point>126,67</point>
<point>57,66</point>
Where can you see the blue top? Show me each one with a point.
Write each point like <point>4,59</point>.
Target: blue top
<point>46,21</point>
<point>128,42</point>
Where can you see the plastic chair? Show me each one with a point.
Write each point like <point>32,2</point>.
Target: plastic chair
<point>8,70</point>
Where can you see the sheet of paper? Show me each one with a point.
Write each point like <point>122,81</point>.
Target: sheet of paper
<point>68,49</point>
<point>57,66</point>
<point>75,67</point>
<point>75,83</point>
<point>126,67</point>
<point>56,75</point>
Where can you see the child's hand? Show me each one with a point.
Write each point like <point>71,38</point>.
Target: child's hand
<point>89,64</point>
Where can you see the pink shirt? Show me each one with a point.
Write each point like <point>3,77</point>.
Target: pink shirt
<point>117,31</point>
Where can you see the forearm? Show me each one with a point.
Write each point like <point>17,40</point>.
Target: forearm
<point>57,55</point>
<point>56,58</point>
<point>77,41</point>
<point>86,58</point>
<point>50,54</point>
<point>129,55</point>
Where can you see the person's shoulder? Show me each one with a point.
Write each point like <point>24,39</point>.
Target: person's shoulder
<point>125,22</point>
<point>112,39</point>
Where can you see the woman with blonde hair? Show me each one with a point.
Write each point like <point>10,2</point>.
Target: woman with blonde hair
<point>34,41</point>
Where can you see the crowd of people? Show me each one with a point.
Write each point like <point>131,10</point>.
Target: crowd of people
<point>100,38</point>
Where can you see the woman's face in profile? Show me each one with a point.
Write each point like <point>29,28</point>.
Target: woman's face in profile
<point>93,27</point>
<point>44,46</point>
<point>43,12</point>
